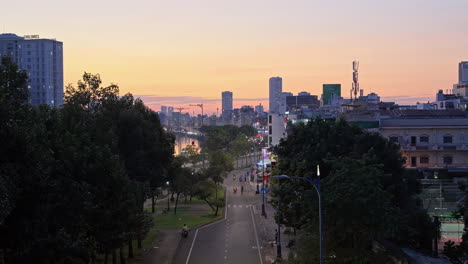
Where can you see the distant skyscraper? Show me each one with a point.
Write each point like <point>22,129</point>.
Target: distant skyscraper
<point>276,88</point>
<point>170,111</point>
<point>226,101</point>
<point>259,108</point>
<point>463,72</point>
<point>164,109</point>
<point>328,91</point>
<point>43,60</point>
<point>283,104</point>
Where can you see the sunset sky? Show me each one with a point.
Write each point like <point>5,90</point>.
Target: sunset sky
<point>184,52</point>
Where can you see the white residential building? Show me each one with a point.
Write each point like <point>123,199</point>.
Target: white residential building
<point>276,128</point>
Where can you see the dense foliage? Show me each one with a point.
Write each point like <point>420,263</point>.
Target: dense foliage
<point>365,197</point>
<point>73,180</point>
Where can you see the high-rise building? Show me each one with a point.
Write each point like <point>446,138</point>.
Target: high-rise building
<point>330,91</point>
<point>463,72</point>
<point>226,97</point>
<point>164,109</point>
<point>259,108</point>
<point>276,88</point>
<point>170,111</point>
<point>283,104</point>
<point>310,101</point>
<point>43,60</point>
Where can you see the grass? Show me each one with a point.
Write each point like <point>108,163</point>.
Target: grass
<point>186,216</point>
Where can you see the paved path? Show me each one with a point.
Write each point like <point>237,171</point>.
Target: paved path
<point>243,236</point>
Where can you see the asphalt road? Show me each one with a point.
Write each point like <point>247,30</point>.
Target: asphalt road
<point>231,240</point>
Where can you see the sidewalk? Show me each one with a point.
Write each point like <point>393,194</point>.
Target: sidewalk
<point>267,227</point>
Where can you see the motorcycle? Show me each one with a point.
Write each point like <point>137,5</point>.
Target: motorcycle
<point>184,233</point>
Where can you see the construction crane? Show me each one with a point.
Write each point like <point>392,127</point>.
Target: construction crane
<point>201,106</point>
<point>180,109</point>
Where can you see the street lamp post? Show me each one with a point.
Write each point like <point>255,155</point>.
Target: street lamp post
<point>315,182</point>
<point>168,208</point>
<point>263,189</point>
<point>278,245</point>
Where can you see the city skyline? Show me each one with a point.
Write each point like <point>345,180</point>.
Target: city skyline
<point>407,51</point>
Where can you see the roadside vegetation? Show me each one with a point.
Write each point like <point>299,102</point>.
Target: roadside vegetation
<point>73,179</point>
<point>366,197</point>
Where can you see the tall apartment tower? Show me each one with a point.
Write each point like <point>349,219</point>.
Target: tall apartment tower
<point>463,72</point>
<point>276,89</point>
<point>42,59</point>
<point>226,97</point>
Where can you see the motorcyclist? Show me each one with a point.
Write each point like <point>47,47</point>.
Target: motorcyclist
<point>185,230</point>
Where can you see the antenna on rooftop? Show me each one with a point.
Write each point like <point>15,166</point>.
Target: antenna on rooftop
<point>355,88</point>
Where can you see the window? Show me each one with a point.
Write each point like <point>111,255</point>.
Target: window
<point>393,139</point>
<point>424,139</point>
<point>413,161</point>
<point>269,119</point>
<point>270,130</point>
<point>448,139</point>
<point>424,160</point>
<point>413,141</point>
<point>448,160</point>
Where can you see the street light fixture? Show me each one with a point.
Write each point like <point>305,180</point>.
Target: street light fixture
<point>315,182</point>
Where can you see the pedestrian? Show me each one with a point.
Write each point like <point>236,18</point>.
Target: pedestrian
<point>242,189</point>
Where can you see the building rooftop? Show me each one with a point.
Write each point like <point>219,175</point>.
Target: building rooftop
<point>430,113</point>
<point>10,36</point>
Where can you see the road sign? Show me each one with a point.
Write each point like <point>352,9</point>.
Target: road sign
<point>263,190</point>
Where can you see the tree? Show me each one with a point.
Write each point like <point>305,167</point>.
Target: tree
<point>194,157</point>
<point>220,164</point>
<point>240,147</point>
<point>179,179</point>
<point>206,190</point>
<point>248,131</point>
<point>73,179</point>
<point>358,170</point>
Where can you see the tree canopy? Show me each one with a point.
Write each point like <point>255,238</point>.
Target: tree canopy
<point>365,196</point>
<point>73,179</point>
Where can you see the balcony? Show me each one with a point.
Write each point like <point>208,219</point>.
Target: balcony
<point>432,147</point>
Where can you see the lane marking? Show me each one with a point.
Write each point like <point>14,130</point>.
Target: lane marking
<point>191,247</point>
<point>196,232</point>
<point>256,237</point>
